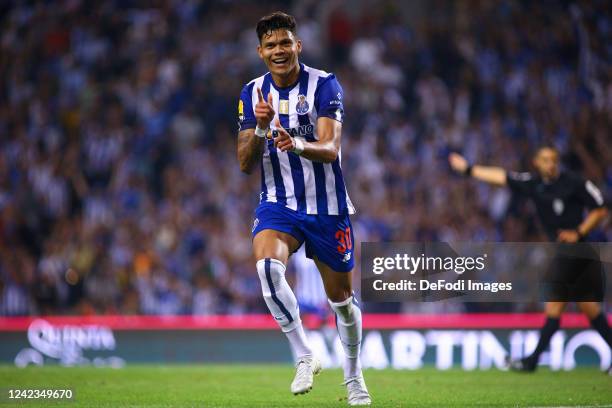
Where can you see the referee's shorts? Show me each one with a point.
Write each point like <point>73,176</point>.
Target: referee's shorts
<point>575,274</point>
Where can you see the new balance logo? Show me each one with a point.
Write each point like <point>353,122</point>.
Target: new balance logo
<point>255,224</point>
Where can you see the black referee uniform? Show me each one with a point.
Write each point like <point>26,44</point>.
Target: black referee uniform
<point>575,274</point>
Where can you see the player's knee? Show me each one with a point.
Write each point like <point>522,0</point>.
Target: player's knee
<point>274,245</point>
<point>271,273</point>
<point>591,309</point>
<point>277,294</point>
<point>338,291</point>
<point>339,295</point>
<point>554,309</point>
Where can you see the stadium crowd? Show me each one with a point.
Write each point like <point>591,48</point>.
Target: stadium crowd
<point>119,186</point>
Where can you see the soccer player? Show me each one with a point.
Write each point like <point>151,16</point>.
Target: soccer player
<point>309,288</point>
<point>290,125</point>
<point>560,198</point>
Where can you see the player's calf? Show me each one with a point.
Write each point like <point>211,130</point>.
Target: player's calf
<point>348,322</point>
<point>284,308</point>
<point>278,294</point>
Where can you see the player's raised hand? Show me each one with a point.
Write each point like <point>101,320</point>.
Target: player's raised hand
<point>283,140</point>
<point>264,111</point>
<point>458,163</point>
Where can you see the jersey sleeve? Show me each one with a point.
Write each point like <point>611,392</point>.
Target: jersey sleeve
<point>590,195</point>
<point>520,183</point>
<point>328,98</point>
<point>246,117</point>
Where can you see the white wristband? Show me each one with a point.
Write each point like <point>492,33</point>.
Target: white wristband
<point>259,132</point>
<point>299,146</point>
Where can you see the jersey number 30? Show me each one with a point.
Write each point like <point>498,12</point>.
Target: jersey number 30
<point>344,240</point>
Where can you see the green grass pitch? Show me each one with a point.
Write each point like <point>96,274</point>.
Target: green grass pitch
<point>268,386</point>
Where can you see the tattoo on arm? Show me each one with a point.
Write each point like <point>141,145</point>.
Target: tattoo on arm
<point>250,149</point>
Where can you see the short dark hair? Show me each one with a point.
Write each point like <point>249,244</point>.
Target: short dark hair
<point>275,21</point>
<point>548,146</point>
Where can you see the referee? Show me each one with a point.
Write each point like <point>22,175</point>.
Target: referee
<point>560,198</point>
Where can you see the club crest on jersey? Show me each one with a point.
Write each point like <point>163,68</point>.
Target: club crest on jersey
<point>302,105</point>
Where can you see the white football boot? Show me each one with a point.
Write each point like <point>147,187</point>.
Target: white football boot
<point>357,392</point>
<point>305,370</point>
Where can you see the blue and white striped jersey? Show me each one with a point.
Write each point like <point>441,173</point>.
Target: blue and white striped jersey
<point>286,178</point>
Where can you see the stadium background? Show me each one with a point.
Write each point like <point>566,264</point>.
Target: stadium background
<point>120,193</point>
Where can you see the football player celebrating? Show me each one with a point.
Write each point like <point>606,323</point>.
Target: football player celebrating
<point>290,126</point>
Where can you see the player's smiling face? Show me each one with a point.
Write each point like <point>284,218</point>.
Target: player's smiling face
<point>279,49</point>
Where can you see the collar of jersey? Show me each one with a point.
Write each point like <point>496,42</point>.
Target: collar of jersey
<point>288,87</point>
<point>549,183</point>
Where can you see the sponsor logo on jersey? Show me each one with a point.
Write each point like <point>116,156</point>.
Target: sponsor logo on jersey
<point>302,130</point>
